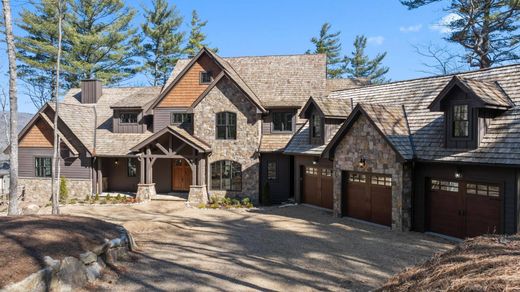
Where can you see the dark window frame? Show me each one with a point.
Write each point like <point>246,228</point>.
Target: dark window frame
<point>270,176</point>
<point>226,126</point>
<point>129,163</point>
<point>185,118</point>
<point>316,130</point>
<point>204,74</point>
<point>286,122</point>
<point>222,182</point>
<point>130,114</point>
<point>40,167</point>
<point>460,121</point>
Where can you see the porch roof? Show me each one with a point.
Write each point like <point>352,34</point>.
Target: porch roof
<point>181,134</point>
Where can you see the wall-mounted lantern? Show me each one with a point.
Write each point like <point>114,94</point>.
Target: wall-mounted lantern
<point>362,162</point>
<point>116,162</point>
<point>458,173</point>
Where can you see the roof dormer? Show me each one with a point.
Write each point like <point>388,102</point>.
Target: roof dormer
<point>469,105</point>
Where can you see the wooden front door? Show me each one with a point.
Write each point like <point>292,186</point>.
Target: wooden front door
<point>368,197</point>
<point>181,175</point>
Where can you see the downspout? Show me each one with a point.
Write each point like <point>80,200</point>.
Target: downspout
<point>94,157</point>
<point>412,170</point>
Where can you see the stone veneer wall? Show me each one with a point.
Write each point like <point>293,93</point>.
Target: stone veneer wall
<point>363,140</point>
<point>38,190</point>
<point>226,96</point>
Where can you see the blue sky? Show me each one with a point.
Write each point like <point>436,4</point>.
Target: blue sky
<point>276,27</point>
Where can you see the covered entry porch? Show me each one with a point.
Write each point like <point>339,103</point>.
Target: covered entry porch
<point>173,150</point>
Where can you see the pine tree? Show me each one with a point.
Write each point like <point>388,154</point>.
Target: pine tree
<point>328,43</point>
<point>37,50</point>
<point>103,44</point>
<point>486,29</point>
<point>197,38</point>
<point>361,66</point>
<point>162,47</point>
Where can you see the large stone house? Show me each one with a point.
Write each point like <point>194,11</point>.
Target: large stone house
<point>434,154</point>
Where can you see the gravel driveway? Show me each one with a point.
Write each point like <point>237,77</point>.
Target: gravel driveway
<point>294,248</point>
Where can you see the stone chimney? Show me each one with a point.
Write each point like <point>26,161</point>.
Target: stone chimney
<point>91,90</point>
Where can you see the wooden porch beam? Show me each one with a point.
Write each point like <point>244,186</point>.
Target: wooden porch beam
<point>179,148</point>
<point>158,145</point>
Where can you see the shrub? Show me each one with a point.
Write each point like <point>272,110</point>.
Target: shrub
<point>108,197</point>
<point>266,195</point>
<point>96,198</point>
<point>118,198</point>
<point>202,206</point>
<point>64,192</point>
<point>87,198</point>
<point>246,202</point>
<point>73,201</point>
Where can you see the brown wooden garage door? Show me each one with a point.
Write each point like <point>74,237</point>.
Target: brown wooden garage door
<point>368,197</point>
<point>463,208</point>
<point>317,187</point>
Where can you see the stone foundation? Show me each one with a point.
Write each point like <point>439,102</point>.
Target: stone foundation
<point>145,192</point>
<point>198,195</point>
<point>38,190</point>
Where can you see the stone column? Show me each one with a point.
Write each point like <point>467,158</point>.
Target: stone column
<point>145,192</point>
<point>198,195</point>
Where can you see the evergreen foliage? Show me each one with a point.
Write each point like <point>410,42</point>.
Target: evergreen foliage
<point>359,65</point>
<point>329,43</point>
<point>197,38</point>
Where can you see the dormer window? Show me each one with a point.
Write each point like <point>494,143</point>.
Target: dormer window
<point>180,118</point>
<point>282,121</point>
<point>315,126</point>
<point>205,77</point>
<point>128,118</point>
<point>460,121</point>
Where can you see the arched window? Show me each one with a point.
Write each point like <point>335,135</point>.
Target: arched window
<point>226,125</point>
<point>226,175</point>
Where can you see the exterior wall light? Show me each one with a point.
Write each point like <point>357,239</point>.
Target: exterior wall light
<point>362,162</point>
<point>458,173</point>
<point>116,162</point>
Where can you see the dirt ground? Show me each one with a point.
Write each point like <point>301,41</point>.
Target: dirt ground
<point>25,240</point>
<point>486,263</point>
<point>295,248</point>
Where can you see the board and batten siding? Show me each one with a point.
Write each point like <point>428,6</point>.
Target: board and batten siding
<point>267,122</point>
<point>139,127</point>
<point>71,167</point>
<point>162,119</point>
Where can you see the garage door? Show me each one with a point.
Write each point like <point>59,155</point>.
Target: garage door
<point>464,208</point>
<point>368,197</point>
<point>317,187</point>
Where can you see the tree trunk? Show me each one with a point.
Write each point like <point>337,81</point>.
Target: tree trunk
<point>485,61</point>
<point>13,107</point>
<point>56,156</point>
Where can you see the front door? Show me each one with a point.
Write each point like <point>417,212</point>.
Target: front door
<point>181,175</point>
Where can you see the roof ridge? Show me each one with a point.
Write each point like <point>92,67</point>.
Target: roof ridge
<point>264,56</point>
<point>431,77</point>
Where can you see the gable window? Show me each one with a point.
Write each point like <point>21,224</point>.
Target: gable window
<point>272,170</point>
<point>205,77</point>
<point>460,121</point>
<point>180,118</point>
<point>131,170</point>
<point>226,124</point>
<point>282,121</point>
<point>315,126</point>
<point>226,175</point>
<point>128,118</point>
<point>42,166</point>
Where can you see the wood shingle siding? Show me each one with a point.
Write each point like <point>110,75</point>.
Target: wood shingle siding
<point>39,135</point>
<point>186,91</point>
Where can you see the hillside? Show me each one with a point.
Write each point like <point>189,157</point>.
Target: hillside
<point>23,119</point>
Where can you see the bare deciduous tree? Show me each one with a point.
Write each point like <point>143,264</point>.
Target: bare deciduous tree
<point>444,61</point>
<point>5,116</point>
<point>13,107</point>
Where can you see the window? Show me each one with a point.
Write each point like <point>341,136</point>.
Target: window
<point>282,121</point>
<point>315,126</point>
<point>180,118</point>
<point>326,172</point>
<point>357,177</point>
<point>460,121</point>
<point>272,170</point>
<point>131,170</point>
<point>311,170</point>
<point>444,185</point>
<point>381,180</point>
<point>226,175</point>
<point>226,126</point>
<point>128,118</point>
<point>205,77</point>
<point>483,190</point>
<point>42,166</point>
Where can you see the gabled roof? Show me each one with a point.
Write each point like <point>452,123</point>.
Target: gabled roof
<point>490,94</point>
<point>276,80</point>
<point>335,84</point>
<point>140,99</point>
<point>227,70</point>
<point>329,108</point>
<point>390,121</point>
<point>299,144</point>
<point>181,134</point>
<point>240,84</point>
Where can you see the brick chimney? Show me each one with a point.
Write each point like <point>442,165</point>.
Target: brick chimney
<point>91,90</point>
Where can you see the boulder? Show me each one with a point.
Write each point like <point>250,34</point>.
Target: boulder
<point>30,209</point>
<point>94,271</point>
<point>72,274</point>
<point>88,257</point>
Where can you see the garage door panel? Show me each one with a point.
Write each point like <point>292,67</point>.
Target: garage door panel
<point>358,201</point>
<point>318,187</point>
<point>482,216</point>
<point>445,215</point>
<point>327,192</point>
<point>381,197</point>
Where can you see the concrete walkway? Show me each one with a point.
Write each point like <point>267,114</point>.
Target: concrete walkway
<point>294,248</point>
